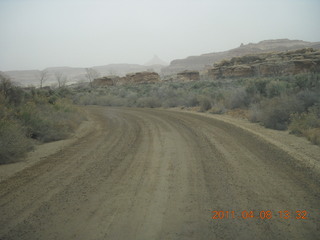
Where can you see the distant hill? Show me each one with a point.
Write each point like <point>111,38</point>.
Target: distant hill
<point>73,75</point>
<point>207,60</point>
<point>31,77</point>
<point>24,78</point>
<point>202,62</point>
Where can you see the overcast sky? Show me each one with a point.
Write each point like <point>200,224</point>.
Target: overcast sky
<point>36,34</point>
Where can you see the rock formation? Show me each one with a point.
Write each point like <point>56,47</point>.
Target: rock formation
<point>141,77</point>
<point>199,63</point>
<point>105,81</point>
<point>268,64</point>
<point>188,76</point>
<point>138,77</point>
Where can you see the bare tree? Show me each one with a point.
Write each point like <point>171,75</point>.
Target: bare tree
<point>61,79</point>
<point>91,74</point>
<point>43,76</point>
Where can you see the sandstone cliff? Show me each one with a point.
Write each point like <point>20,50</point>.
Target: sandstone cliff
<point>105,81</point>
<point>138,77</point>
<point>268,64</point>
<point>201,62</point>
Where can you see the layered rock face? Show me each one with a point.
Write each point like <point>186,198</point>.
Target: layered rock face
<point>139,77</point>
<point>105,81</point>
<point>188,76</point>
<point>201,62</point>
<point>268,64</point>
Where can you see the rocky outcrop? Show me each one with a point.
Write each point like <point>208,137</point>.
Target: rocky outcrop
<point>201,62</point>
<point>141,77</point>
<point>268,64</point>
<point>138,77</point>
<point>105,81</point>
<point>188,76</point>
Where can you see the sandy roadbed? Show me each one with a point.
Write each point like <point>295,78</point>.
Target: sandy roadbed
<point>160,174</point>
<point>306,154</point>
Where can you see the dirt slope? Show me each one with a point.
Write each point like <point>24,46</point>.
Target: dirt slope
<point>156,174</point>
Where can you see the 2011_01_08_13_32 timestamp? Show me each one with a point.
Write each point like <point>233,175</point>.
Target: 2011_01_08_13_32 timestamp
<point>263,214</point>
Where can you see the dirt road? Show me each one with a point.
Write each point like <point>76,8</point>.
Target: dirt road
<point>156,174</point>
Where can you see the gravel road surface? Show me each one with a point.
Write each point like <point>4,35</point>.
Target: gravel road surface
<point>158,174</point>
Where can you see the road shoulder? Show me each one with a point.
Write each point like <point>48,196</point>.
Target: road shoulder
<point>305,153</point>
<point>42,151</point>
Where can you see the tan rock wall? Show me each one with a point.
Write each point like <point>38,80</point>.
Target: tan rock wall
<point>268,64</point>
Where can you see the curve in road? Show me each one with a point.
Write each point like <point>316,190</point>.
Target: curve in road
<point>157,174</point>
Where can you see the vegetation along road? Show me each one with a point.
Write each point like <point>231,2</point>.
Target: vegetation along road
<point>160,174</point>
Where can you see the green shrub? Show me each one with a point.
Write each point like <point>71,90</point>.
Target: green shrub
<point>149,102</point>
<point>275,88</point>
<point>218,108</point>
<point>239,98</point>
<point>306,120</point>
<point>257,86</point>
<point>275,113</point>
<point>50,122</point>
<point>313,135</point>
<point>191,101</point>
<point>306,81</point>
<point>13,142</point>
<point>307,124</point>
<point>308,98</point>
<point>170,102</point>
<point>205,104</point>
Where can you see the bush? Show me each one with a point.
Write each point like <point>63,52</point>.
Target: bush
<point>275,113</point>
<point>275,88</point>
<point>306,120</point>
<point>218,108</point>
<point>48,122</point>
<point>307,124</point>
<point>149,102</point>
<point>239,98</point>
<point>171,102</point>
<point>13,142</point>
<point>306,81</point>
<point>205,104</point>
<point>313,135</point>
<point>308,98</point>
<point>257,86</point>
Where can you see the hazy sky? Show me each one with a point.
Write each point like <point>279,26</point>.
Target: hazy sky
<point>36,34</point>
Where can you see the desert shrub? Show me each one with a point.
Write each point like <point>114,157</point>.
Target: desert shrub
<point>191,101</point>
<point>27,114</point>
<point>257,86</point>
<point>275,113</point>
<point>49,122</point>
<point>313,135</point>
<point>218,108</point>
<point>105,100</point>
<point>255,113</point>
<point>307,124</point>
<point>13,142</point>
<point>170,102</point>
<point>275,88</point>
<point>5,86</point>
<point>131,99</point>
<point>308,98</point>
<point>239,98</point>
<point>205,104</point>
<point>306,81</point>
<point>149,102</point>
